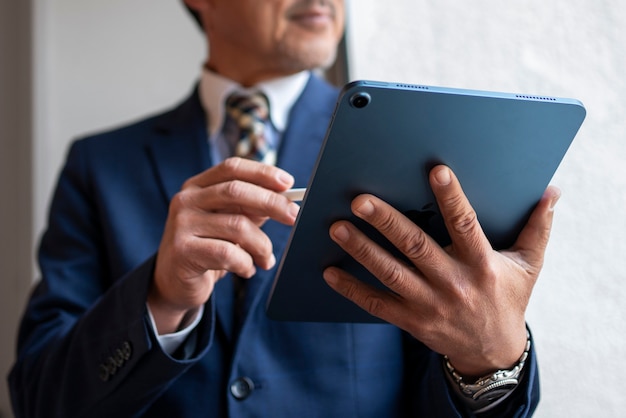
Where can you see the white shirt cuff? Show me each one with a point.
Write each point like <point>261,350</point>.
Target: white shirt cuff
<point>170,342</point>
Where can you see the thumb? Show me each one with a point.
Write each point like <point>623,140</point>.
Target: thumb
<point>533,240</point>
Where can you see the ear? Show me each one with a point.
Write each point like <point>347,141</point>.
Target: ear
<point>199,6</point>
<point>199,11</point>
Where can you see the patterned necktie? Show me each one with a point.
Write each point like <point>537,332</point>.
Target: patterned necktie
<point>251,113</point>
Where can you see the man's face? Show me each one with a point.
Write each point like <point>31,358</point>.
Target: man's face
<point>262,39</point>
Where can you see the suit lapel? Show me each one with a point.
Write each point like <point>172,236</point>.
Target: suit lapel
<point>180,147</point>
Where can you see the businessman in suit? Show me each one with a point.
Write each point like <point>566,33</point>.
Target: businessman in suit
<point>155,227</point>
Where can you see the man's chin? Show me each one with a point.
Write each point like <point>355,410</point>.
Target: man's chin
<point>310,55</point>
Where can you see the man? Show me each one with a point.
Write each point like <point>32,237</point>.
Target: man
<point>153,229</point>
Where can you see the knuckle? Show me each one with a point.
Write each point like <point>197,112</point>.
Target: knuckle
<point>223,254</point>
<point>387,223</point>
<point>237,223</point>
<point>181,200</point>
<point>462,293</point>
<point>234,190</point>
<point>489,269</point>
<point>189,183</point>
<point>544,232</point>
<point>274,200</point>
<point>266,170</point>
<point>374,305</point>
<point>231,164</point>
<point>349,290</point>
<point>463,222</point>
<point>395,275</point>
<point>183,245</point>
<point>362,252</point>
<point>417,247</point>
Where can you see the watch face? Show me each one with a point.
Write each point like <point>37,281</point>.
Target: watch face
<point>496,393</point>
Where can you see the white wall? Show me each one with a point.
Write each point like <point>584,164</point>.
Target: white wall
<point>69,67</point>
<point>102,63</point>
<point>568,48</point>
<point>15,177</point>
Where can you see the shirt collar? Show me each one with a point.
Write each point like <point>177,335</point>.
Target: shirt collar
<point>281,93</point>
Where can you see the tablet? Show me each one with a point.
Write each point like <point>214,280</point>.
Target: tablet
<point>383,139</point>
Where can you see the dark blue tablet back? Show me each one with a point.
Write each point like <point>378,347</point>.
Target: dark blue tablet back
<point>384,139</point>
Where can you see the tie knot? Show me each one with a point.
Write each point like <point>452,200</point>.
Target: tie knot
<point>250,113</point>
<point>248,110</point>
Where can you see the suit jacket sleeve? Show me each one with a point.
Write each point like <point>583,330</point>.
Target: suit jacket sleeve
<point>85,343</point>
<point>432,397</point>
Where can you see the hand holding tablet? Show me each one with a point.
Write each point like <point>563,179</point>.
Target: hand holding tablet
<point>384,140</point>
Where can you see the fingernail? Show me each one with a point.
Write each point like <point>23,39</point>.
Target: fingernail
<point>341,233</point>
<point>285,178</point>
<point>272,262</point>
<point>443,176</point>
<point>330,276</point>
<point>366,208</point>
<point>294,209</point>
<point>555,199</point>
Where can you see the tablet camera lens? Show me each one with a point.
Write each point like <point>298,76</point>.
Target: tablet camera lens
<point>360,100</point>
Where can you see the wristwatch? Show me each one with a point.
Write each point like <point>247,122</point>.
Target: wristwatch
<point>491,389</point>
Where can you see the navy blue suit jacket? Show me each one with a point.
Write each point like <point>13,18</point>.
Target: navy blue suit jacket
<point>85,347</point>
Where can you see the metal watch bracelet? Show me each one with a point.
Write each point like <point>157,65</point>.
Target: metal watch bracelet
<point>490,389</point>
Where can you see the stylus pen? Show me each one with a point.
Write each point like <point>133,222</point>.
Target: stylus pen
<point>295,195</point>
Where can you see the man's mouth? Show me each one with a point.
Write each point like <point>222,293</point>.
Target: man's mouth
<point>312,15</point>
